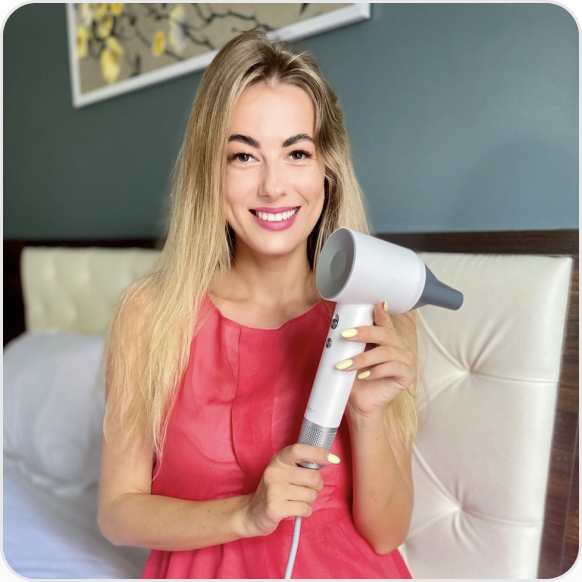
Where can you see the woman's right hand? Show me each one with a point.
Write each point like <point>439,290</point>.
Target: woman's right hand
<point>285,490</point>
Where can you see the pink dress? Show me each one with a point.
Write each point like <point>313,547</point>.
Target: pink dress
<point>241,401</point>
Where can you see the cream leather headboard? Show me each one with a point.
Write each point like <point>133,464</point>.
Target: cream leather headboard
<point>481,459</point>
<point>486,414</point>
<point>76,289</point>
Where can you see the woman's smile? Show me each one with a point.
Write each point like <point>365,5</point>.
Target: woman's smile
<point>276,222</point>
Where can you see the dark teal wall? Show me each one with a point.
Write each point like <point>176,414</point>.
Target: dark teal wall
<point>462,117</point>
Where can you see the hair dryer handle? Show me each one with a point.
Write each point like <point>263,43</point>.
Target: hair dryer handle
<point>332,387</point>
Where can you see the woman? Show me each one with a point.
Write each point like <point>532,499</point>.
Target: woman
<point>211,357</point>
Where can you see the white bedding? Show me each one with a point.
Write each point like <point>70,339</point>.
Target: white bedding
<point>46,536</point>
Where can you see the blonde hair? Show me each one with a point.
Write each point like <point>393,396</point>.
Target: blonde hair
<point>154,322</point>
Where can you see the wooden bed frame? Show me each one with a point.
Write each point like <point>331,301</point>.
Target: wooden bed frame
<point>559,548</point>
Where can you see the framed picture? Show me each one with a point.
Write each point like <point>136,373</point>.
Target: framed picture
<point>117,48</point>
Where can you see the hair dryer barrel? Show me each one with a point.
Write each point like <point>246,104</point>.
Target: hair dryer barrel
<point>358,269</point>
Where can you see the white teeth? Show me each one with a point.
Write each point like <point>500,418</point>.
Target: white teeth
<point>276,217</point>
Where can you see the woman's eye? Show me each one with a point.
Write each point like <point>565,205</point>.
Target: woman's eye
<point>236,156</point>
<point>302,153</point>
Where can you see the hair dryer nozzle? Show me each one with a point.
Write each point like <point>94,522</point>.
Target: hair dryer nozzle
<point>439,294</point>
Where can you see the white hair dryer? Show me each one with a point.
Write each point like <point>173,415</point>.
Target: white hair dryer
<point>358,271</point>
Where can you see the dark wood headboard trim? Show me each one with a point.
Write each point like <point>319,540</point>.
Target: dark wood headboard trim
<point>559,548</point>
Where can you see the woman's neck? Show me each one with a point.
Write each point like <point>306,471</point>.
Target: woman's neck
<point>271,284</point>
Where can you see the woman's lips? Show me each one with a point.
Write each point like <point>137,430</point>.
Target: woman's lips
<point>274,224</point>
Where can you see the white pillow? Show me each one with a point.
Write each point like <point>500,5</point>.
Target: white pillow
<point>53,417</point>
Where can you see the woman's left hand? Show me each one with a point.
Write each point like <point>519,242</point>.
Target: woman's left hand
<point>390,363</point>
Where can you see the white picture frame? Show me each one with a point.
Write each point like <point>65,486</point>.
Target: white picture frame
<point>316,25</point>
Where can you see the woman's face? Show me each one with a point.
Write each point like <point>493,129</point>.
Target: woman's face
<point>272,164</point>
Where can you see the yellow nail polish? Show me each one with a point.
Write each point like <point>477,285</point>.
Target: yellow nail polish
<point>385,306</point>
<point>349,332</point>
<point>364,375</point>
<point>344,364</point>
<point>332,458</point>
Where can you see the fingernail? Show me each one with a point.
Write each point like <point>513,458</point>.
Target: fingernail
<point>344,364</point>
<point>349,332</point>
<point>364,375</point>
<point>385,306</point>
<point>331,458</point>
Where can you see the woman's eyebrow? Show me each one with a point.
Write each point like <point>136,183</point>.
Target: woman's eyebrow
<point>255,144</point>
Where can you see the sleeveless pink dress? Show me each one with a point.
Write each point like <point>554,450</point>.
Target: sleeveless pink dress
<point>241,401</point>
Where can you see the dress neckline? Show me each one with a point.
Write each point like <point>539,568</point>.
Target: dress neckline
<point>309,311</point>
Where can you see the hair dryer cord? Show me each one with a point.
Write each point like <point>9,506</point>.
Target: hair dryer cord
<point>293,548</point>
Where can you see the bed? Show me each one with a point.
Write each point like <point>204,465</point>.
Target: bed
<point>495,464</point>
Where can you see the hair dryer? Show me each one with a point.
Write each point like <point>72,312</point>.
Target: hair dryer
<point>357,271</point>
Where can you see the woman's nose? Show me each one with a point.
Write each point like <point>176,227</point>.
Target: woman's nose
<point>273,181</point>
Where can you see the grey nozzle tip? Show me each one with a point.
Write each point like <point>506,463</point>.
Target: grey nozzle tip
<point>439,294</point>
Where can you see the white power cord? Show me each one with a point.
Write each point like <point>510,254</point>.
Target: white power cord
<point>293,548</point>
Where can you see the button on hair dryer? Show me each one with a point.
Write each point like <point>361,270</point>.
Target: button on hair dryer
<point>358,271</point>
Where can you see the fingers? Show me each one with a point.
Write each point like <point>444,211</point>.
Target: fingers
<point>294,454</point>
<point>377,355</point>
<point>372,334</point>
<point>303,477</point>
<point>381,333</point>
<point>292,487</point>
<point>303,494</point>
<point>401,373</point>
<point>299,509</point>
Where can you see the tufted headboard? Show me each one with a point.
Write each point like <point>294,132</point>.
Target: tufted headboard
<point>75,290</point>
<point>495,461</point>
<point>486,416</point>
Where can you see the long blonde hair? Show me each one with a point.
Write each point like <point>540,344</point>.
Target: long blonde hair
<point>154,322</point>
